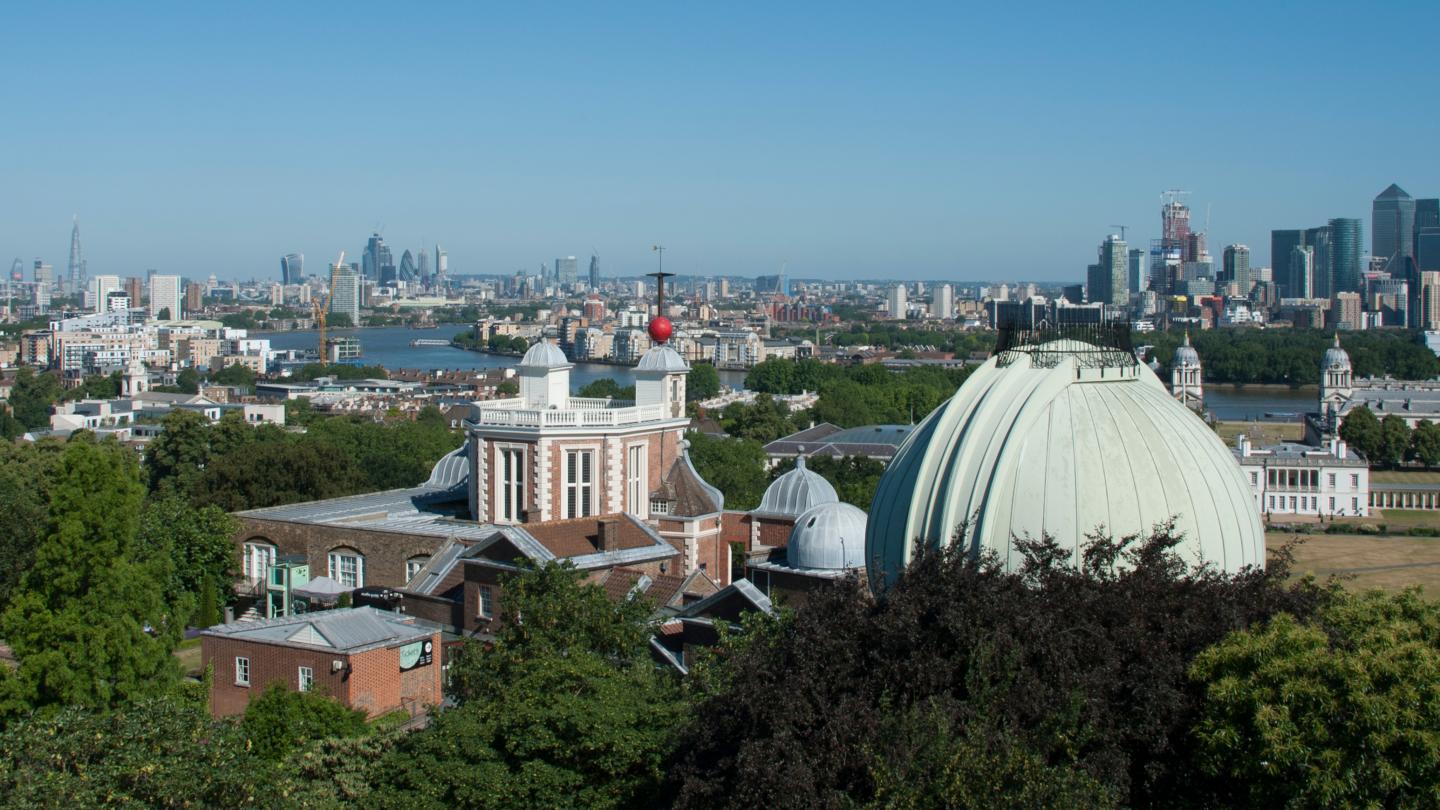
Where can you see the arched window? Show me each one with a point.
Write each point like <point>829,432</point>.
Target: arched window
<point>259,556</point>
<point>413,566</point>
<point>347,567</point>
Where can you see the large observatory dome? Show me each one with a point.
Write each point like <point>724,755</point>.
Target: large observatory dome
<point>1062,439</point>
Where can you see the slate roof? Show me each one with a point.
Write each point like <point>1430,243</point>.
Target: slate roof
<point>875,441</point>
<point>690,494</point>
<point>348,630</point>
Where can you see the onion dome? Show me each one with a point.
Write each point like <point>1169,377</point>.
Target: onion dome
<point>830,536</point>
<point>1186,354</point>
<point>1061,441</point>
<point>796,492</point>
<point>544,354</point>
<point>1336,358</point>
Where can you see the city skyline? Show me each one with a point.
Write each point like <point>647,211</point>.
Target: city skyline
<point>849,147</point>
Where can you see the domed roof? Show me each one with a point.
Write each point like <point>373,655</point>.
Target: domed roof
<point>664,359</point>
<point>795,492</point>
<point>1186,354</point>
<point>1023,450</point>
<point>830,536</point>
<point>1336,357</point>
<point>544,354</point>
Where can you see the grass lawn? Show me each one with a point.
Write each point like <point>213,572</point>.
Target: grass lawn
<point>1261,433</point>
<point>1397,520</point>
<point>1388,563</point>
<point>1404,477</point>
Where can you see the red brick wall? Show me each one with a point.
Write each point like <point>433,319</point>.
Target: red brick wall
<point>774,533</point>
<point>373,682</point>
<point>385,552</point>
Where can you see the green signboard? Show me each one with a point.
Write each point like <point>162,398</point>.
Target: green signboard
<point>416,655</point>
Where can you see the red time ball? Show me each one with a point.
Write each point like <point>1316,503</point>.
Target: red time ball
<point>661,329</point>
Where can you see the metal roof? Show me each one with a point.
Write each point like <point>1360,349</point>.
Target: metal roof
<point>347,630</point>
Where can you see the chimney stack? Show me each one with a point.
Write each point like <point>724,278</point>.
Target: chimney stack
<point>609,534</point>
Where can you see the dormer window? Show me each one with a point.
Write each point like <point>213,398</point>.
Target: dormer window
<point>659,507</point>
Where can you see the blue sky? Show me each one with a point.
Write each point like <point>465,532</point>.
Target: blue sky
<point>849,140</point>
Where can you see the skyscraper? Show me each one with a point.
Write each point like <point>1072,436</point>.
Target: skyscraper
<point>345,292</point>
<point>442,263</point>
<point>1302,272</point>
<point>165,298</point>
<point>1108,278</point>
<point>896,303</point>
<point>1175,224</point>
<point>942,303</point>
<point>76,269</point>
<point>594,272</point>
<point>194,297</point>
<point>1138,276</point>
<point>567,271</point>
<point>1344,267</point>
<point>1282,243</point>
<point>135,291</point>
<point>1427,235</point>
<point>377,257</point>
<point>1392,224</point>
<point>1237,267</point>
<point>98,289</point>
<point>292,268</point>
<point>407,272</point>
<point>423,266</point>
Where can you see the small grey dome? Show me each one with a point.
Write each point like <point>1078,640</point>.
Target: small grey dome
<point>830,536</point>
<point>663,359</point>
<point>1186,354</point>
<point>1337,358</point>
<point>544,354</point>
<point>795,492</point>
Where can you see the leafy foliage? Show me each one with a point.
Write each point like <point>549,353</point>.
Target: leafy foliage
<point>851,396</point>
<point>703,382</point>
<point>1293,356</point>
<point>281,720</point>
<point>31,396</point>
<point>197,542</point>
<point>26,473</point>
<point>734,466</point>
<point>855,478</point>
<point>1344,712</point>
<point>606,387</point>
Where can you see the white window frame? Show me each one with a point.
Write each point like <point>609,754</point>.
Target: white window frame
<point>242,664</point>
<point>259,559</point>
<point>413,566</point>
<point>336,559</point>
<point>579,483</point>
<point>510,482</point>
<point>305,678</point>
<point>485,602</point>
<point>637,475</point>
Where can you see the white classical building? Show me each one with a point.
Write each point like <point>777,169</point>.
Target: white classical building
<point>1062,439</point>
<point>1299,479</point>
<point>1187,377</point>
<point>1340,392</point>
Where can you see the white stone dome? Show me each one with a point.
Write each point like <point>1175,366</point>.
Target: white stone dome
<point>830,537</point>
<point>544,354</point>
<point>1336,358</point>
<point>796,492</point>
<point>662,358</point>
<point>1186,355</point>
<point>1063,447</point>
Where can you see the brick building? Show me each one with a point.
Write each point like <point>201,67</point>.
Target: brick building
<point>368,659</point>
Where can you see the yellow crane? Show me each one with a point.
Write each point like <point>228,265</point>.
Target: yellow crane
<point>320,306</point>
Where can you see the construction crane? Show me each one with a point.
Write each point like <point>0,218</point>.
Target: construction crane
<point>1122,231</point>
<point>319,307</point>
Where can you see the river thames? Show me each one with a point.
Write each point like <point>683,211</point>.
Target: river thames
<point>390,347</point>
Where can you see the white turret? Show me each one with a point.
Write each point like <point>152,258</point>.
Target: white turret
<point>545,376</point>
<point>1187,378</point>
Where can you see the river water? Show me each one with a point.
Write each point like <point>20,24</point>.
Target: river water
<point>390,347</point>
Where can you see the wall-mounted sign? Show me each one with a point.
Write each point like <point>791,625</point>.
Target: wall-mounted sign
<point>419,654</point>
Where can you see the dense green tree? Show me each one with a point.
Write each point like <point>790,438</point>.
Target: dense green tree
<point>198,543</point>
<point>1361,430</point>
<point>565,709</point>
<point>1394,440</point>
<point>188,380</point>
<point>507,388</point>
<point>31,397</point>
<point>1341,713</point>
<point>159,753</point>
<point>10,427</point>
<point>606,387</point>
<point>26,472</point>
<point>1293,356</point>
<point>175,459</point>
<point>90,623</point>
<point>235,374</point>
<point>164,314</point>
<point>340,320</point>
<point>341,371</point>
<point>388,456</point>
<point>763,420</point>
<point>95,386</point>
<point>281,720</point>
<point>703,382</point>
<point>1425,443</point>
<point>276,473</point>
<point>735,466</point>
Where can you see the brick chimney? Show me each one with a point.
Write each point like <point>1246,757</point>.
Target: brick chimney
<point>609,534</point>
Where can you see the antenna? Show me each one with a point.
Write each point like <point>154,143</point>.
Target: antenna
<point>1122,231</point>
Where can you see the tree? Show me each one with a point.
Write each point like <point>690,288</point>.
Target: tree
<point>175,458</point>
<point>855,478</point>
<point>734,466</point>
<point>1394,439</point>
<point>159,753</point>
<point>340,320</point>
<point>606,387</point>
<point>507,388</point>
<point>164,314</point>
<point>1425,443</point>
<point>276,473</point>
<point>763,420</point>
<point>188,380</point>
<point>703,382</point>
<point>1341,713</point>
<point>90,624</point>
<point>26,472</point>
<point>281,720</point>
<point>31,396</point>
<point>1361,430</point>
<point>197,541</point>
<point>565,709</point>
<point>237,374</point>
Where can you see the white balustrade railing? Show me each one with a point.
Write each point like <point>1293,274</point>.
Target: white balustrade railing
<point>589,416</point>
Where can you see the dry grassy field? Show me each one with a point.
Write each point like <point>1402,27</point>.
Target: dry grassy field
<point>1388,563</point>
<point>1261,433</point>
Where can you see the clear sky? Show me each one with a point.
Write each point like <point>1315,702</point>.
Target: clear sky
<point>865,140</point>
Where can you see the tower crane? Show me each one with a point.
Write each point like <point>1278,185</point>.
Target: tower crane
<point>320,307</point>
<point>1122,231</point>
